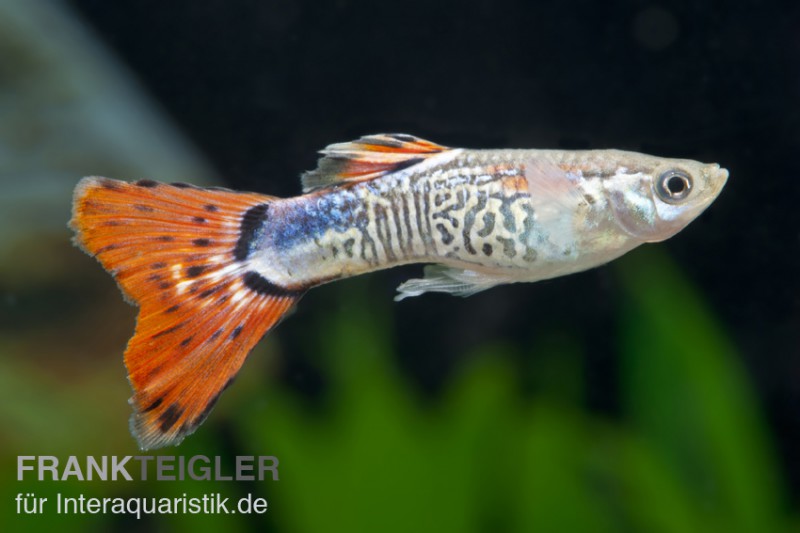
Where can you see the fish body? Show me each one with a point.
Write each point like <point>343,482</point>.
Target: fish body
<point>213,270</point>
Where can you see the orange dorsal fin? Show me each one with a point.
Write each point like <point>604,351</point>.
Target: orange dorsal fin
<point>176,252</point>
<point>367,158</point>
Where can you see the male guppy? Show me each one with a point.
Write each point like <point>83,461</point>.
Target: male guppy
<point>213,270</point>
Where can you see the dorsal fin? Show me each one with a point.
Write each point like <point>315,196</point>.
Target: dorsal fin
<point>367,158</point>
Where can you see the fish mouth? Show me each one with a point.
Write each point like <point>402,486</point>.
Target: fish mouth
<point>717,175</point>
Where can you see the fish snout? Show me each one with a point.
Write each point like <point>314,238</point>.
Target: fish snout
<point>717,175</point>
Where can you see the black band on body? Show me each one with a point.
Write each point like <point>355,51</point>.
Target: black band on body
<point>252,221</point>
<point>258,283</point>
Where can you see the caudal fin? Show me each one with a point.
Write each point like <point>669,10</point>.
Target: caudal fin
<point>180,253</point>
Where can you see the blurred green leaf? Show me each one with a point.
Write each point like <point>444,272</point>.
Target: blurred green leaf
<point>687,394</point>
<point>696,458</point>
<point>374,463</point>
<point>557,492</point>
<point>642,488</point>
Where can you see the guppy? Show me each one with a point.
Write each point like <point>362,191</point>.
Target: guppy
<point>212,270</point>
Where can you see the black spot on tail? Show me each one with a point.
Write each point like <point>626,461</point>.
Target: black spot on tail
<point>169,417</point>
<point>258,283</point>
<point>252,221</point>
<point>109,184</point>
<point>208,292</point>
<point>202,242</point>
<point>153,405</point>
<point>194,271</point>
<point>168,331</point>
<point>146,183</point>
<point>209,406</point>
<point>153,372</point>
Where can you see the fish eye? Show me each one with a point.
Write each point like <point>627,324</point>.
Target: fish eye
<point>674,186</point>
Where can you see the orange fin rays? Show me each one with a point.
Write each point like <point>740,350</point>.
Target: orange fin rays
<point>367,158</point>
<point>173,251</point>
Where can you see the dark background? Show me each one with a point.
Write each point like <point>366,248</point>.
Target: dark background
<point>261,86</point>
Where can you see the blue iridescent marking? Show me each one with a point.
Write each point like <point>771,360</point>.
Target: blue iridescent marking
<point>310,218</point>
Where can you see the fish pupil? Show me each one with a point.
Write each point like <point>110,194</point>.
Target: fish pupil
<point>676,185</point>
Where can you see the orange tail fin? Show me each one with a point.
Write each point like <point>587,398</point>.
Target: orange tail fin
<point>180,253</point>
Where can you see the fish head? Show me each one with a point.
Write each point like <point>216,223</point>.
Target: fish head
<point>654,198</point>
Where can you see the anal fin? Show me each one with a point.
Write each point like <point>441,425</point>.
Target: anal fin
<point>450,280</point>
